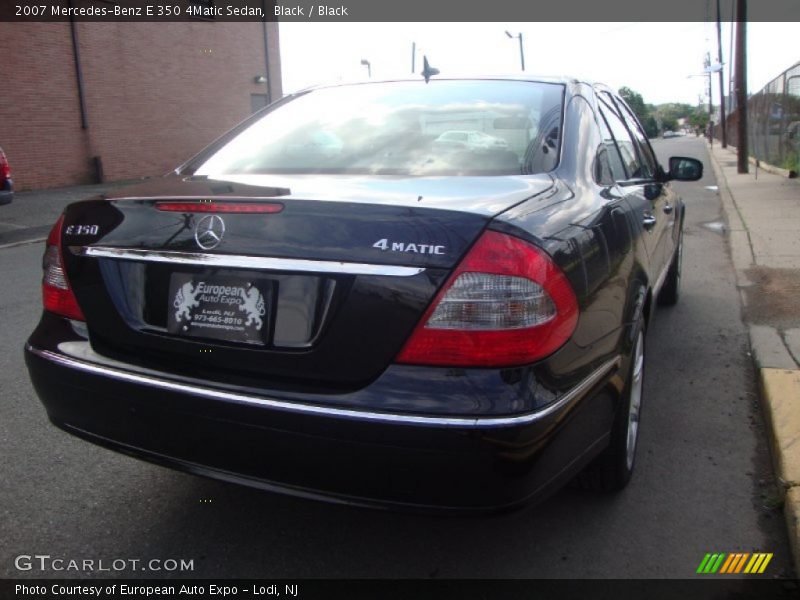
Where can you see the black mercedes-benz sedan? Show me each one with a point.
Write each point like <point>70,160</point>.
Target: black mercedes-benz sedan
<point>330,302</point>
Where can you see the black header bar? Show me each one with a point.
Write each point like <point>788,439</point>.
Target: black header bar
<point>385,10</point>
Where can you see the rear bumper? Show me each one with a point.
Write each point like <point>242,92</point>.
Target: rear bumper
<point>351,456</point>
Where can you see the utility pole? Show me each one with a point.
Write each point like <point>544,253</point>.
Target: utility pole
<point>710,97</point>
<point>742,144</point>
<point>710,101</point>
<point>730,56</point>
<point>722,118</point>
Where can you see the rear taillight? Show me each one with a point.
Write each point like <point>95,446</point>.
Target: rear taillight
<point>56,292</point>
<point>5,168</point>
<point>506,304</point>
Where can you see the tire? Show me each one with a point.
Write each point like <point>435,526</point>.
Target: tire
<point>668,296</point>
<point>612,469</point>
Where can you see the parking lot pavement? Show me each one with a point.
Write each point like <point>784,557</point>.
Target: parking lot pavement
<point>31,215</point>
<point>763,213</point>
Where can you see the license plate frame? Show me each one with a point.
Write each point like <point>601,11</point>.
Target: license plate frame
<point>225,308</point>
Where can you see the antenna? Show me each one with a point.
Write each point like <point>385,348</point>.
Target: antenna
<point>427,70</point>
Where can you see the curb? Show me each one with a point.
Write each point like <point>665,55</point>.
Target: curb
<point>791,509</point>
<point>739,239</point>
<point>760,164</point>
<point>780,395</point>
<point>779,387</point>
<point>765,166</point>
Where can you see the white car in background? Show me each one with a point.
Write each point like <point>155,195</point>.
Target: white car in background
<point>471,140</point>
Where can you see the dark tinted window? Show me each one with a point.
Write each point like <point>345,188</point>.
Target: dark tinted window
<point>602,167</point>
<point>640,167</point>
<point>445,127</point>
<point>609,154</point>
<point>624,143</point>
<point>645,152</point>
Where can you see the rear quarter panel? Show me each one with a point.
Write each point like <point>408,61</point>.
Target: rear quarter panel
<point>588,230</point>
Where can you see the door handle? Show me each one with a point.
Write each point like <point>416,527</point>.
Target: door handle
<point>668,208</point>
<point>649,221</point>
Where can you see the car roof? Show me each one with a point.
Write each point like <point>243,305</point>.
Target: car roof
<point>564,80</point>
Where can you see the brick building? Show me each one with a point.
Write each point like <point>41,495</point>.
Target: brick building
<point>85,101</point>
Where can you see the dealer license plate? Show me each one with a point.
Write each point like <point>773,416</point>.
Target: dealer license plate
<point>221,308</point>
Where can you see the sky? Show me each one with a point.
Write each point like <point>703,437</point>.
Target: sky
<point>661,61</point>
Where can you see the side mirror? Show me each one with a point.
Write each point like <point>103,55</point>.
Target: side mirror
<point>682,168</point>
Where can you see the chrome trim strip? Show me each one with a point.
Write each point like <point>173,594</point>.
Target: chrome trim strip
<point>661,279</point>
<point>237,261</point>
<point>328,411</point>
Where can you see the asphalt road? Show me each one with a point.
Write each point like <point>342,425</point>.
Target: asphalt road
<point>703,481</point>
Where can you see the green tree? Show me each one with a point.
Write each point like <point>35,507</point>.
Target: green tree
<point>635,101</point>
<point>650,126</point>
<point>669,124</point>
<point>673,111</point>
<point>644,112</point>
<point>699,119</point>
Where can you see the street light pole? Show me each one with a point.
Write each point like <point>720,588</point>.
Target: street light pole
<point>521,49</point>
<point>365,62</point>
<point>722,118</point>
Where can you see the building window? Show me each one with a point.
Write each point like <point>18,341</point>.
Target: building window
<point>258,101</point>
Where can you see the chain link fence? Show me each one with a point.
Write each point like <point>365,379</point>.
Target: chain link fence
<point>773,118</point>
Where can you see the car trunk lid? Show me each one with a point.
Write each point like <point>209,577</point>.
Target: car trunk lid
<point>320,293</point>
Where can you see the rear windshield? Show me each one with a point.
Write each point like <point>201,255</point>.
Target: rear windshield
<point>402,128</point>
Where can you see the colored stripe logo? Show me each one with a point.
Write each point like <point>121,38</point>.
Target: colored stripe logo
<point>734,562</point>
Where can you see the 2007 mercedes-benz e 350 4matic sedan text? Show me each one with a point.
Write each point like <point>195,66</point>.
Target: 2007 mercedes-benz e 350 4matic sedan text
<point>328,302</point>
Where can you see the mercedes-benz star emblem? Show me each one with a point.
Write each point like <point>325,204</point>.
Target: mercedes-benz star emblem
<point>209,231</point>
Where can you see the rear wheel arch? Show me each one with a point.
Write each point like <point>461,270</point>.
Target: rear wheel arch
<point>612,468</point>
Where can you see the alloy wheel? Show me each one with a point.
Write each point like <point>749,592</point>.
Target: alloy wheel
<point>635,399</point>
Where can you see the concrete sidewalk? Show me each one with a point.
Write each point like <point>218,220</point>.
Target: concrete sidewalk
<point>763,214</point>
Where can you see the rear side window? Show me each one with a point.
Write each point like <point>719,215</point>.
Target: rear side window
<point>645,152</point>
<point>445,127</point>
<point>631,167</point>
<point>609,158</point>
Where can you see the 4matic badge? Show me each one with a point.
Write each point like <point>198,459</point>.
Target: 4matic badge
<point>385,244</point>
